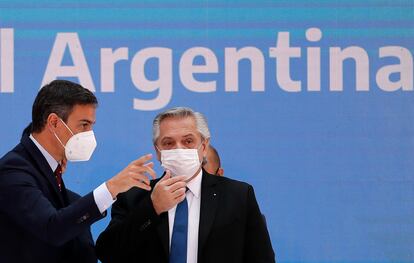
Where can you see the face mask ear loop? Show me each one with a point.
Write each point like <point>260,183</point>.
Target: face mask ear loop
<point>194,175</point>
<point>54,133</point>
<point>199,147</point>
<point>66,126</point>
<point>59,140</point>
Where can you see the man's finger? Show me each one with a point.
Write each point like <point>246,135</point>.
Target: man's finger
<point>166,176</point>
<point>150,171</point>
<point>178,193</point>
<point>177,185</point>
<point>175,179</point>
<point>142,178</point>
<point>143,169</point>
<point>180,198</point>
<point>142,159</point>
<point>150,164</point>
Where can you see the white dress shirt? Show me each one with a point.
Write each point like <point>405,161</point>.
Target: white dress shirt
<point>193,199</point>
<point>102,196</point>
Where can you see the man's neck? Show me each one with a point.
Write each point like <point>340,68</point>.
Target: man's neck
<point>49,144</point>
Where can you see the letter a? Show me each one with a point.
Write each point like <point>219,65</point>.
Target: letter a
<point>79,69</point>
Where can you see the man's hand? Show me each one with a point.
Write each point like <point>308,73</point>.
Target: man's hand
<point>168,192</point>
<point>133,175</point>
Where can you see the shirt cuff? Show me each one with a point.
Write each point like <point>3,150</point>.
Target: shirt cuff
<point>103,198</point>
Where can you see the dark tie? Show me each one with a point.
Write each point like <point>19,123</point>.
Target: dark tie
<point>58,175</point>
<point>178,253</point>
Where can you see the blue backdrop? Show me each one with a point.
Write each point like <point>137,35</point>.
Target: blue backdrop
<point>311,102</point>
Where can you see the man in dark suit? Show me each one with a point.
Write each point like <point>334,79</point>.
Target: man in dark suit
<point>41,220</point>
<point>189,216</point>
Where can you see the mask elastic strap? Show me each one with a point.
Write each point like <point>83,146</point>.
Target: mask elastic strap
<point>194,175</point>
<point>54,133</point>
<point>199,147</point>
<point>59,140</point>
<point>66,126</point>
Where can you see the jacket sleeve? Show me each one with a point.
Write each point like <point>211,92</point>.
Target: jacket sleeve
<point>258,245</point>
<point>84,248</point>
<point>25,204</point>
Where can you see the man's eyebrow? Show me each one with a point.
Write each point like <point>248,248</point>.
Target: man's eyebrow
<point>87,121</point>
<point>165,138</point>
<point>171,138</point>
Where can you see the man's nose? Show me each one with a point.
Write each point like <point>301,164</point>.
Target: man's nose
<point>179,146</point>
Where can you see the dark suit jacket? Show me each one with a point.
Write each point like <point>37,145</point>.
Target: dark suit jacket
<point>38,223</point>
<point>231,227</point>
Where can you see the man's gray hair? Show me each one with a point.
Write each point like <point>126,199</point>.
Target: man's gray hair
<point>180,112</point>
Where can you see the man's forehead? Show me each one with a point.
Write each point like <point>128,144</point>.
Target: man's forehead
<point>83,113</point>
<point>182,126</point>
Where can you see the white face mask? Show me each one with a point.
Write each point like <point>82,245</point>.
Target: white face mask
<point>80,146</point>
<point>181,161</point>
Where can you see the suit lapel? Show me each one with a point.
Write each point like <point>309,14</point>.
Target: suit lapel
<point>208,207</point>
<point>42,165</point>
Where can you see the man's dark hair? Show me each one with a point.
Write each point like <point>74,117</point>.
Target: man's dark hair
<point>59,96</point>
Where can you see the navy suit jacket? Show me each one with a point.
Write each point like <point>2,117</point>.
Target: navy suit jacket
<point>231,228</point>
<point>38,223</point>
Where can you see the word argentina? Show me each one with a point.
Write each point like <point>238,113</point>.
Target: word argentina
<point>283,53</point>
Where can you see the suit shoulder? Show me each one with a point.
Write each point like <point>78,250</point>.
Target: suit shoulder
<point>15,159</point>
<point>232,184</point>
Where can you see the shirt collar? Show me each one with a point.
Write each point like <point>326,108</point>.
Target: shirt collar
<point>195,185</point>
<point>50,160</point>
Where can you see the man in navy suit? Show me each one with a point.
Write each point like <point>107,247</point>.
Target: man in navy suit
<point>189,215</point>
<point>41,220</point>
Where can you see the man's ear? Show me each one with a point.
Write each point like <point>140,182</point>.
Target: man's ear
<point>220,172</point>
<point>52,121</point>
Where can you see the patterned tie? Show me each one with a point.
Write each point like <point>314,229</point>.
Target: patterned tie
<point>178,253</point>
<point>58,175</point>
